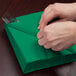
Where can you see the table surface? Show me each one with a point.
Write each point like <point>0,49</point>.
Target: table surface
<point>8,63</point>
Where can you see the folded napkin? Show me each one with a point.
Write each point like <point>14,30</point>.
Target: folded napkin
<point>31,56</point>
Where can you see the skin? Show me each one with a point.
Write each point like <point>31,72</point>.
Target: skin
<point>61,34</point>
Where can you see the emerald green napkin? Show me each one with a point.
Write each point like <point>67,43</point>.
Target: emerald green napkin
<point>31,56</point>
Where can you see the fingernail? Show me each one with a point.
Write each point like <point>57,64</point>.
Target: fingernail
<point>40,22</point>
<point>38,36</point>
<point>39,27</point>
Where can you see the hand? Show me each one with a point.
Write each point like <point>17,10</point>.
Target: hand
<point>62,10</point>
<point>58,36</point>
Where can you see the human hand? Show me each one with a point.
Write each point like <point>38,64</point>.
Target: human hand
<point>62,10</point>
<point>58,36</point>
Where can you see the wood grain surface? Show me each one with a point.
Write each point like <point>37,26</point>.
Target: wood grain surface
<point>8,63</point>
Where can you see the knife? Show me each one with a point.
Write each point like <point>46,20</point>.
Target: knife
<point>9,18</point>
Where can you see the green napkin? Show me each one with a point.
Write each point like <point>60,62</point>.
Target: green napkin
<point>31,56</point>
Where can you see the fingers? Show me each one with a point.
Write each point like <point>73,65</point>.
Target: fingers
<point>48,45</point>
<point>46,19</point>
<point>57,36</point>
<point>40,34</point>
<point>46,11</point>
<point>42,37</point>
<point>42,41</point>
<point>58,47</point>
<point>51,44</point>
<point>47,16</point>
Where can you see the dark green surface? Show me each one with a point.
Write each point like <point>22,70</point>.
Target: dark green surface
<point>30,55</point>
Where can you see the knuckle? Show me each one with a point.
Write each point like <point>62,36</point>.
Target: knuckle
<point>54,44</point>
<point>49,5</point>
<point>45,17</point>
<point>59,49</point>
<point>46,30</point>
<point>45,9</point>
<point>48,39</point>
<point>55,49</point>
<point>55,4</point>
<point>45,46</point>
<point>39,42</point>
<point>55,9</point>
<point>38,35</point>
